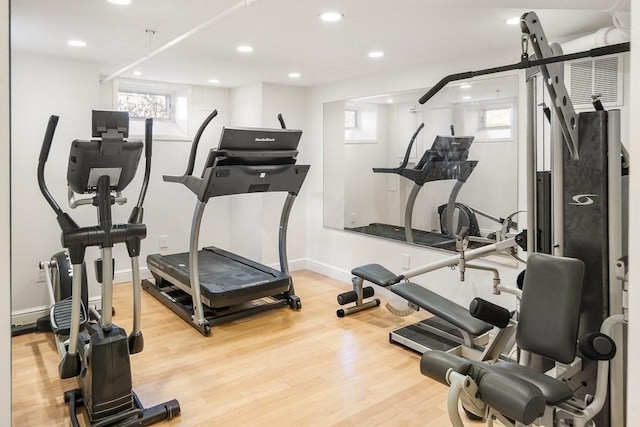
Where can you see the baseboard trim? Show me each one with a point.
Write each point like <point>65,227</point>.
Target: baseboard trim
<point>329,271</point>
<point>31,315</point>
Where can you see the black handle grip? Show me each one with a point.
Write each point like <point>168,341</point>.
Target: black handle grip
<point>48,138</point>
<point>281,120</point>
<point>136,214</point>
<point>44,155</point>
<point>148,137</point>
<point>196,141</point>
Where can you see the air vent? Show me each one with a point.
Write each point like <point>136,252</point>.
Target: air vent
<point>596,76</point>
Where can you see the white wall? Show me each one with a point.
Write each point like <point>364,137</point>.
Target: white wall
<point>633,374</point>
<point>68,89</point>
<point>255,218</point>
<point>365,193</point>
<point>5,222</point>
<point>291,102</point>
<point>71,89</point>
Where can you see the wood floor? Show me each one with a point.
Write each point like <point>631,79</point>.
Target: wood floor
<point>280,368</point>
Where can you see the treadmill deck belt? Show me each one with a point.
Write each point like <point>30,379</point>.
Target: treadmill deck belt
<point>395,232</point>
<point>225,278</point>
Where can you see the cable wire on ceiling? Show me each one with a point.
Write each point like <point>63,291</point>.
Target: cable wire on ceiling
<point>181,38</point>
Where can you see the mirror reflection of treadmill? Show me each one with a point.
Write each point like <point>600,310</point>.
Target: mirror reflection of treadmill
<point>247,160</point>
<point>445,160</point>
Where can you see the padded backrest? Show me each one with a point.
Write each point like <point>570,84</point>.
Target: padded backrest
<point>550,308</point>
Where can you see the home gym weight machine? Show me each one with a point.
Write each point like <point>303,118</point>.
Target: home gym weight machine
<point>589,225</point>
<point>93,349</point>
<point>210,286</point>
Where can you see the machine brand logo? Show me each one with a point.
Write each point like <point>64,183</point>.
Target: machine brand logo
<point>583,199</point>
<point>265,139</point>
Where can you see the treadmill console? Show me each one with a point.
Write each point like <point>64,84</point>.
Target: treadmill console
<point>255,146</point>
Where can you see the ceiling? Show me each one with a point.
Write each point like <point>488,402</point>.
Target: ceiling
<point>286,35</point>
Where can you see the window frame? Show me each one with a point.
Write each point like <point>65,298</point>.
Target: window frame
<point>355,118</point>
<point>176,127</point>
<point>168,95</point>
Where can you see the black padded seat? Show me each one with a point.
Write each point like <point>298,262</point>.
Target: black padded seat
<point>515,397</point>
<point>553,390</point>
<point>446,309</point>
<point>435,364</point>
<point>375,273</point>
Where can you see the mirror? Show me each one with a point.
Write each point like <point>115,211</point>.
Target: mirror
<point>419,173</point>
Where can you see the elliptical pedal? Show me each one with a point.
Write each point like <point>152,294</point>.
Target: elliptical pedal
<point>60,316</point>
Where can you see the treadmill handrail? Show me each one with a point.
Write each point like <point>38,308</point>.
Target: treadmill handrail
<point>190,181</point>
<point>196,141</point>
<point>407,154</point>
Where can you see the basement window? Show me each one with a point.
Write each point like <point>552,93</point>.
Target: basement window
<point>166,103</point>
<point>143,105</point>
<point>350,119</point>
<point>497,118</point>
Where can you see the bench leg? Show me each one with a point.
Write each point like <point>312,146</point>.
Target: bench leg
<point>358,295</point>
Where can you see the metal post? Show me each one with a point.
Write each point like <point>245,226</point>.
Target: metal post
<point>615,252</point>
<point>531,167</point>
<point>194,270</point>
<point>557,161</point>
<point>76,298</point>
<point>137,297</point>
<point>107,287</point>
<point>408,212</point>
<point>282,236</point>
<point>451,207</point>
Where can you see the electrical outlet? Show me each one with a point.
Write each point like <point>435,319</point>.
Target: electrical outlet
<point>40,277</point>
<point>406,261</point>
<point>164,242</point>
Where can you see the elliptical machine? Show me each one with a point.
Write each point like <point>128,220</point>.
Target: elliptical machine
<point>92,348</point>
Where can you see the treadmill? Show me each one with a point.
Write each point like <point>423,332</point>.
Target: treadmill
<point>445,160</point>
<point>229,286</point>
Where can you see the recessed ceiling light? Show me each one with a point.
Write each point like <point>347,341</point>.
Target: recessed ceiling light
<point>137,73</point>
<point>390,101</point>
<point>376,54</point>
<point>214,81</point>
<point>331,16</point>
<point>120,2</point>
<point>244,49</point>
<point>465,86</point>
<point>76,43</point>
<point>294,75</point>
<point>466,98</point>
<point>513,21</point>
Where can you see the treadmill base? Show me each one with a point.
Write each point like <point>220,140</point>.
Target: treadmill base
<point>181,303</point>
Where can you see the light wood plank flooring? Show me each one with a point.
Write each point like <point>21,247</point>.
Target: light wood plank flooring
<point>280,368</point>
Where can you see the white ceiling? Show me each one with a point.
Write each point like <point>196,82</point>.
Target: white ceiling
<point>287,35</point>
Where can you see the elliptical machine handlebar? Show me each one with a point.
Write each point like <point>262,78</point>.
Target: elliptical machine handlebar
<point>64,220</point>
<point>44,155</point>
<point>137,212</point>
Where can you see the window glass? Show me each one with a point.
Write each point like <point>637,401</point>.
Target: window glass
<point>145,105</point>
<point>497,118</point>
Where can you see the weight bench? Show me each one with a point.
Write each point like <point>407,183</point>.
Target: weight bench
<point>548,326</point>
<point>452,328</point>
